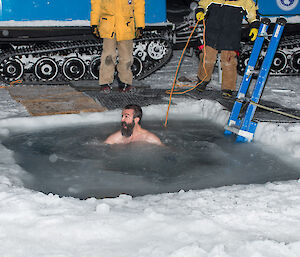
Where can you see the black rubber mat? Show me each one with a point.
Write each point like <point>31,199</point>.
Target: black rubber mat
<point>117,100</point>
<point>144,95</point>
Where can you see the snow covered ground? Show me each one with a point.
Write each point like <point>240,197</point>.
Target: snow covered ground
<point>232,221</point>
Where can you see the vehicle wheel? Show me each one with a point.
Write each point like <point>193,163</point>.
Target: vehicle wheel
<point>295,61</point>
<point>279,62</point>
<point>73,68</point>
<point>46,69</point>
<point>11,69</point>
<point>136,67</point>
<point>94,68</point>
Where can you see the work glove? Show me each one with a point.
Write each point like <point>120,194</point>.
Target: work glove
<point>95,31</point>
<point>199,14</point>
<point>254,30</point>
<point>139,32</point>
<point>253,34</point>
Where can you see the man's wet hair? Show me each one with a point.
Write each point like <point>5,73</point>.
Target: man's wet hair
<point>137,111</point>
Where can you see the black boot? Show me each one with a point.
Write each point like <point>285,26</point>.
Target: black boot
<point>227,93</point>
<point>201,86</point>
<point>124,87</point>
<point>105,88</point>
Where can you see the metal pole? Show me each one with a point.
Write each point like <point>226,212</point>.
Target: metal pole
<point>219,69</point>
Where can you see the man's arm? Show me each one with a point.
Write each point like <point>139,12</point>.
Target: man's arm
<point>95,12</point>
<point>153,139</point>
<point>251,9</point>
<point>114,138</point>
<point>139,13</point>
<point>204,4</point>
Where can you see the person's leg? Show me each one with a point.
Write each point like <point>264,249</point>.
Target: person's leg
<point>108,62</point>
<point>229,70</point>
<point>207,64</point>
<point>125,53</point>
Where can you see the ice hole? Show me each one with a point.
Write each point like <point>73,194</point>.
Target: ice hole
<point>75,162</point>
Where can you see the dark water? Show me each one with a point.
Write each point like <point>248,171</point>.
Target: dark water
<point>75,162</point>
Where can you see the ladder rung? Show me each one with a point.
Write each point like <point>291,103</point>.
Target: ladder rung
<point>232,129</point>
<point>243,99</point>
<point>236,130</point>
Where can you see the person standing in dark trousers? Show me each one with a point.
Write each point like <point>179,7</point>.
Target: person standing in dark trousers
<point>223,24</point>
<point>118,22</point>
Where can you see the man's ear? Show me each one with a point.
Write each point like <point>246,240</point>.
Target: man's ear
<point>136,120</point>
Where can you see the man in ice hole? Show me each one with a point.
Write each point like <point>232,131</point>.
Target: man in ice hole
<point>131,130</point>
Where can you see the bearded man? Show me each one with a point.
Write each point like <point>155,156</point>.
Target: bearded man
<point>131,130</point>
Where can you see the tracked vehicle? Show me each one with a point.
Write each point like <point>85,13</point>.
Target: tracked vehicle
<point>49,41</point>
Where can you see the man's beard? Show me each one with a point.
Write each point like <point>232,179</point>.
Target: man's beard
<point>127,132</point>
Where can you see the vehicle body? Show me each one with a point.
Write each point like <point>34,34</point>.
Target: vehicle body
<point>50,41</point>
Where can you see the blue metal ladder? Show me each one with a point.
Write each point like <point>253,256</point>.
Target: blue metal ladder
<point>244,127</point>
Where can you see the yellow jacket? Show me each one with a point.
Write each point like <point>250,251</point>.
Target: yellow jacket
<point>248,6</point>
<point>118,18</point>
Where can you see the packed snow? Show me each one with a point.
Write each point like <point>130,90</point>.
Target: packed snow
<point>58,23</point>
<point>232,221</point>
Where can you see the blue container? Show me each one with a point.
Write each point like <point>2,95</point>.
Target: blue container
<point>279,7</point>
<point>155,11</point>
<point>64,10</point>
<point>28,10</point>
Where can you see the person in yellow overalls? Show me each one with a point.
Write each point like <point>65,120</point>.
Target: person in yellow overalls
<point>118,22</point>
<point>223,22</point>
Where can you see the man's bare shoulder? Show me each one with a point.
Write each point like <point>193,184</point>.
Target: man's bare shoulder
<point>114,138</point>
<point>151,138</point>
<point>143,136</point>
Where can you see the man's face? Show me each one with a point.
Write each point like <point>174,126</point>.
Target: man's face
<point>127,122</point>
